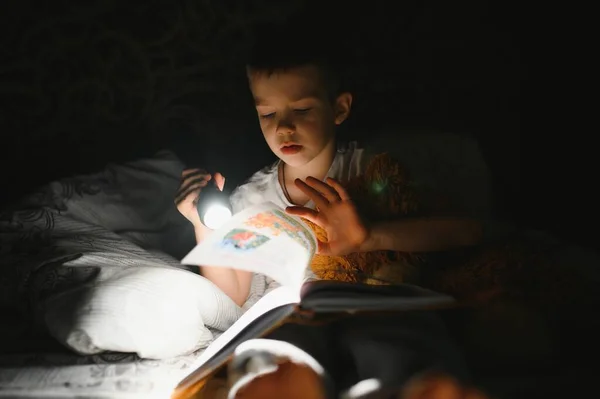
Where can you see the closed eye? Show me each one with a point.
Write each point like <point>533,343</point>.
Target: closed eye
<point>267,116</point>
<point>302,110</point>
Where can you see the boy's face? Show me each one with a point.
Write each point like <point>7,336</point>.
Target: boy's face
<point>297,117</point>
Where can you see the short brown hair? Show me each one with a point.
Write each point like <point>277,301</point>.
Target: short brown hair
<point>281,46</point>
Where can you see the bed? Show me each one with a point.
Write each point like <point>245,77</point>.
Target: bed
<point>117,233</point>
<point>72,241</point>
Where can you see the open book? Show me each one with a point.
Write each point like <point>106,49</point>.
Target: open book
<point>261,239</point>
<point>264,239</point>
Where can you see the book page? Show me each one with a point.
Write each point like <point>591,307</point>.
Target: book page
<point>278,297</point>
<point>261,239</point>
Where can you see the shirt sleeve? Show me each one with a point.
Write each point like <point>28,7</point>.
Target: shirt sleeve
<point>256,190</point>
<point>237,199</point>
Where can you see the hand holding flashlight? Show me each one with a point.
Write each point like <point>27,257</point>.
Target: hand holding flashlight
<point>196,184</point>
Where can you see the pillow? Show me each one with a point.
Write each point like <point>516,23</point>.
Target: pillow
<point>156,312</point>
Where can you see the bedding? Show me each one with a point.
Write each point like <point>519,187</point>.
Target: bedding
<point>90,283</point>
<point>84,233</point>
<point>106,375</point>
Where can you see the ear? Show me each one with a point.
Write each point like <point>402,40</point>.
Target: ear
<point>342,106</point>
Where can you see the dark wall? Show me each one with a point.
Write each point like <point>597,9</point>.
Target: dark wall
<point>85,83</point>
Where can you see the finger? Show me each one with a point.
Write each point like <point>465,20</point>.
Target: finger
<point>341,191</point>
<point>323,248</point>
<point>319,200</point>
<point>188,196</point>
<point>198,180</point>
<point>325,189</point>
<point>190,173</point>
<point>190,183</point>
<point>309,214</point>
<point>312,216</point>
<point>191,193</point>
<point>193,171</point>
<point>194,176</point>
<point>220,181</point>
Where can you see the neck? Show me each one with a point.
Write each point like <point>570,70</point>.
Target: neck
<point>317,167</point>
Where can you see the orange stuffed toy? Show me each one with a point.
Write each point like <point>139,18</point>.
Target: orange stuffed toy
<point>383,192</point>
<point>491,270</point>
<point>512,282</point>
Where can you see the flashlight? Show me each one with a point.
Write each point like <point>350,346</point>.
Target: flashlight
<point>213,207</point>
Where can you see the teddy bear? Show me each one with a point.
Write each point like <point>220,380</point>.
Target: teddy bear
<point>515,293</point>
<point>510,268</point>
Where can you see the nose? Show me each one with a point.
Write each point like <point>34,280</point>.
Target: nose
<point>285,125</point>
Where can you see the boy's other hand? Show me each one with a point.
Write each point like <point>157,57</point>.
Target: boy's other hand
<point>336,214</point>
<point>186,199</point>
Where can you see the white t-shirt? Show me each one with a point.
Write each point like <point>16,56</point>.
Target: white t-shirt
<point>445,162</point>
<point>264,185</point>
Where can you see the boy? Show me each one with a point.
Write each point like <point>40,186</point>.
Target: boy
<point>299,105</point>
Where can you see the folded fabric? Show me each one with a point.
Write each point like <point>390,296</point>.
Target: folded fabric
<point>94,260</point>
<point>156,312</point>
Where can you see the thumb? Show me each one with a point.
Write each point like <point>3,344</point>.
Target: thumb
<point>219,181</point>
<point>323,248</point>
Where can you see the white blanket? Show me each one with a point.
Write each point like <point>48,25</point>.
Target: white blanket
<point>76,251</point>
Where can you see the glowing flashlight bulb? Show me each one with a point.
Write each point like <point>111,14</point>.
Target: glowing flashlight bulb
<point>216,215</point>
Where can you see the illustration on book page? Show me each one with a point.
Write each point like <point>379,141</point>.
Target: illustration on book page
<point>277,222</point>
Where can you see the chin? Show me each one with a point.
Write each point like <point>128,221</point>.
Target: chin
<point>295,161</point>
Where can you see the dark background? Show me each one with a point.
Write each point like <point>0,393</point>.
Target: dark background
<point>83,83</point>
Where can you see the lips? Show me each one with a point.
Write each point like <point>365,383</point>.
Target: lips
<point>290,149</point>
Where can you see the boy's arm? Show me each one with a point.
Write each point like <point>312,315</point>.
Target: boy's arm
<point>338,216</point>
<point>235,283</point>
<point>424,234</point>
<point>441,163</point>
